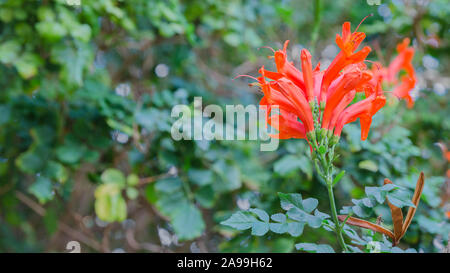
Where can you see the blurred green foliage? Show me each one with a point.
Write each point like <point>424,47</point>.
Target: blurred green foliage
<point>85,101</point>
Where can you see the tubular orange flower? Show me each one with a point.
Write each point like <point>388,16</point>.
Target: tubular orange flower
<point>307,74</point>
<point>389,75</point>
<point>294,94</point>
<point>285,68</point>
<point>348,43</point>
<point>313,102</point>
<point>403,90</point>
<point>364,110</point>
<point>336,93</point>
<point>287,125</point>
<point>402,61</point>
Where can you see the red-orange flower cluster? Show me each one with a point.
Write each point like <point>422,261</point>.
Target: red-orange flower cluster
<point>297,93</point>
<point>390,74</point>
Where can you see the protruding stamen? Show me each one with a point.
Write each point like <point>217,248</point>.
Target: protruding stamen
<point>268,47</point>
<point>251,77</point>
<point>370,15</point>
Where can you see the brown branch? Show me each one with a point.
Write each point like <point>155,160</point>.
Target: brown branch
<point>38,209</point>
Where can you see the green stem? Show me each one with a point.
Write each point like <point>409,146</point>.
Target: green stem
<point>325,170</point>
<point>316,27</point>
<point>334,216</point>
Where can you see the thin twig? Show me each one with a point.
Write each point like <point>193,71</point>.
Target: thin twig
<point>38,209</point>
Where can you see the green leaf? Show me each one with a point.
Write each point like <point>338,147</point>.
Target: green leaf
<point>42,188</point>
<point>32,161</point>
<point>368,165</point>
<point>73,60</point>
<point>81,32</point>
<point>379,193</point>
<point>169,185</point>
<point>400,198</point>
<point>132,193</point>
<point>151,194</point>
<point>310,204</point>
<point>117,125</point>
<point>290,200</point>
<point>299,210</point>
<point>232,38</point>
<point>260,228</point>
<point>279,217</point>
<point>279,228</point>
<point>153,119</point>
<point>295,228</point>
<point>9,51</point>
<point>376,193</point>
<point>262,215</point>
<point>240,220</point>
<point>113,176</point>
<point>230,176</point>
<point>287,164</point>
<point>338,177</point>
<point>27,65</point>
<point>301,216</point>
<point>50,30</point>
<point>70,153</point>
<point>314,248</point>
<point>205,196</point>
<point>132,180</point>
<point>200,177</point>
<point>170,203</point>
<point>109,203</point>
<point>243,220</point>
<point>56,171</point>
<point>188,222</point>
